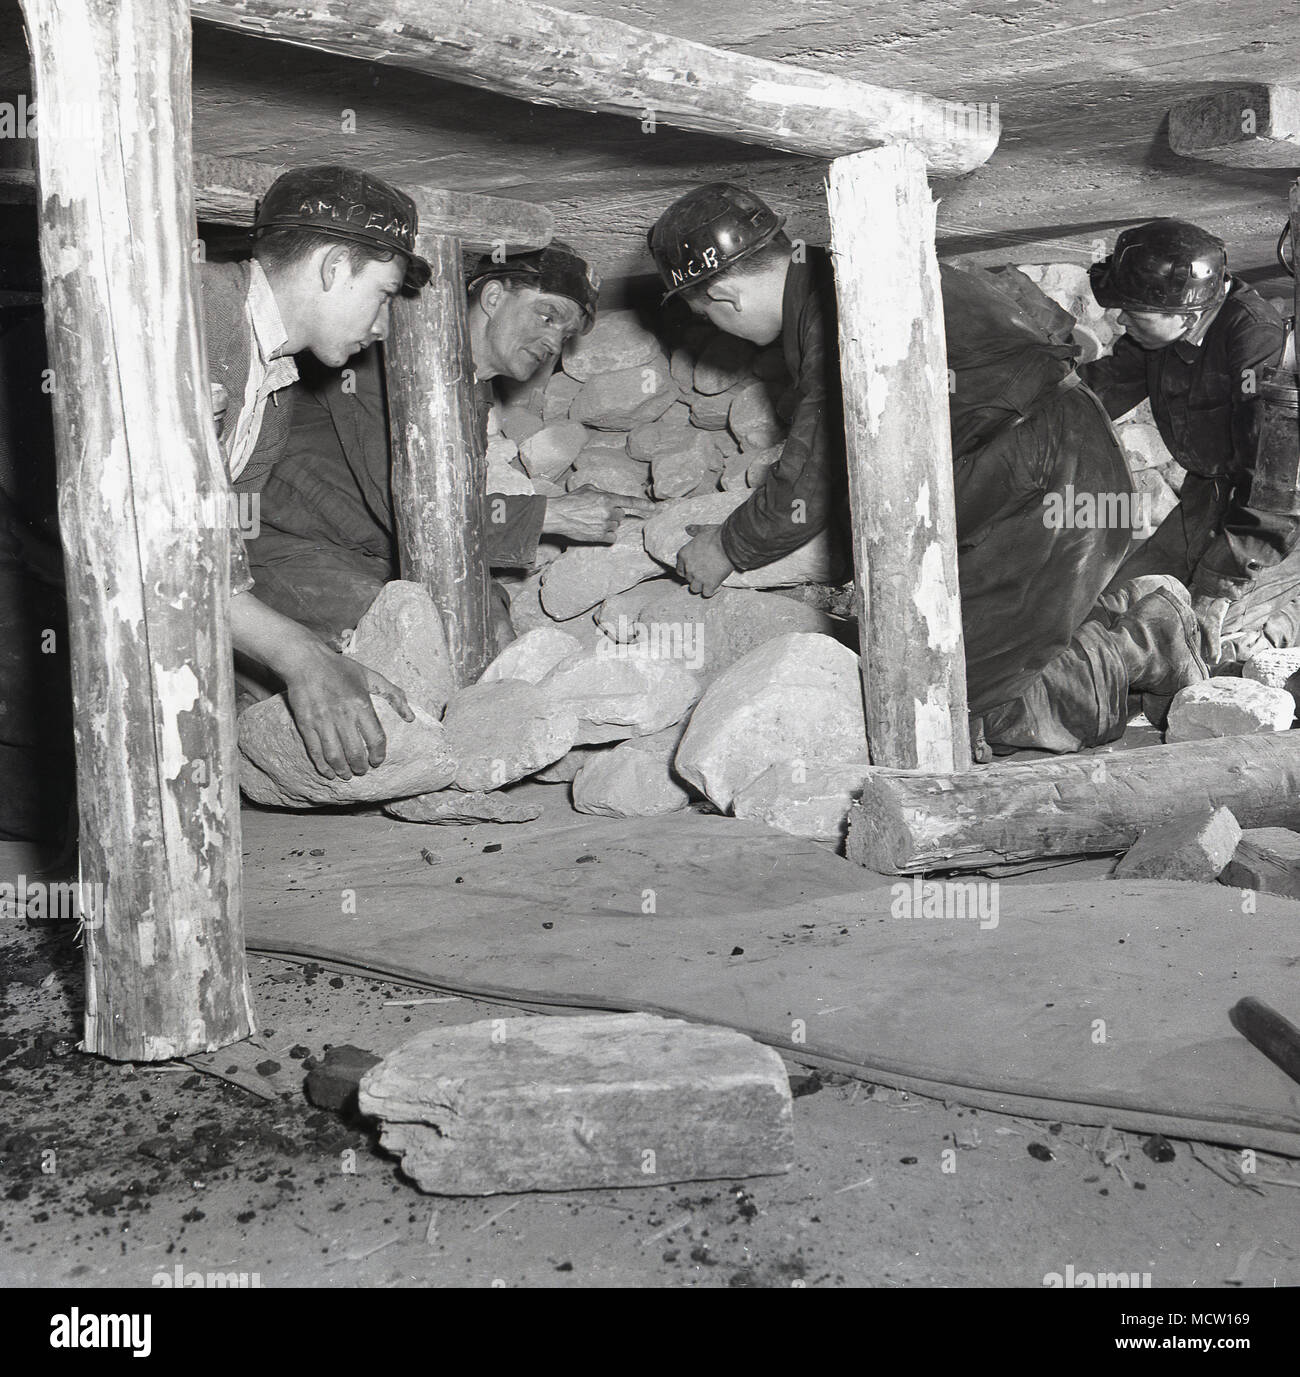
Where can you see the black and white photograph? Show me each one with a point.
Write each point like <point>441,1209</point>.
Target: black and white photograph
<point>649,647</point>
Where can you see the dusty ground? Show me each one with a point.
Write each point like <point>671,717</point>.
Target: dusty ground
<point>112,1174</point>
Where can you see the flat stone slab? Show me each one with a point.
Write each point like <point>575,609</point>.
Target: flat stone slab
<point>1225,706</point>
<point>583,1103</point>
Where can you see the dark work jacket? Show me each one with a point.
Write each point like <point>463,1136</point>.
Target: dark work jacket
<point>1205,404</point>
<point>1003,358</point>
<point>331,486</point>
<point>809,482</point>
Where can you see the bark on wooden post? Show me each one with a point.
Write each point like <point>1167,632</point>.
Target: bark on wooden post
<point>144,512</point>
<point>1295,258</point>
<point>439,466</point>
<point>894,369</point>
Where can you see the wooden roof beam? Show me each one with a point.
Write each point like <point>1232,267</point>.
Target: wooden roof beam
<point>551,57</point>
<point>226,192</point>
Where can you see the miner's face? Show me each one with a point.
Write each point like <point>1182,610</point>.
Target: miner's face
<point>352,309</point>
<point>525,328</point>
<point>1155,329</point>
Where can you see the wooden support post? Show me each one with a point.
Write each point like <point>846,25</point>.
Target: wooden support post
<point>145,521</point>
<point>1295,256</point>
<point>894,368</point>
<point>439,465</point>
<point>907,823</point>
<point>554,57</point>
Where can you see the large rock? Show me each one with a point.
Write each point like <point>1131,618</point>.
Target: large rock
<point>519,422</point>
<point>551,451</point>
<point>624,400</point>
<point>588,574</point>
<point>724,362</point>
<point>634,780</point>
<point>275,769</point>
<point>806,801</point>
<point>527,1104</point>
<point>401,635</point>
<point>1267,859</point>
<point>707,634</point>
<point>794,699</point>
<point>612,473</point>
<point>753,419</point>
<point>617,340</point>
<point>1194,848</point>
<point>1228,707</point>
<point>1275,667</point>
<point>665,436</point>
<point>533,656</point>
<point>620,691</point>
<point>709,411</point>
<point>561,390</point>
<point>665,534</point>
<point>451,808</point>
<point>504,730</point>
<point>681,471</point>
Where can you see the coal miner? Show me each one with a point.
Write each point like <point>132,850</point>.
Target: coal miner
<point>332,247</point>
<point>327,543</point>
<point>1202,348</point>
<point>1049,664</point>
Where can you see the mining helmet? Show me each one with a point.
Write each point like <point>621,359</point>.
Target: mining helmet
<point>1166,266</point>
<point>557,268</point>
<point>346,204</point>
<point>708,231</point>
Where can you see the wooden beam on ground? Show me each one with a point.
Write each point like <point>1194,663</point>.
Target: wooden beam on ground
<point>894,368</point>
<point>226,192</point>
<point>145,522</point>
<point>552,57</point>
<point>907,823</point>
<point>1253,125</point>
<point>439,463</point>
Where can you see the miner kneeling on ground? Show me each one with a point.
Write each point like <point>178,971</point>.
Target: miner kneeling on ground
<point>1050,662</point>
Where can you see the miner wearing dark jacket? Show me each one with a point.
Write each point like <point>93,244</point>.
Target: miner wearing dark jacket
<point>327,542</point>
<point>1047,666</point>
<point>1197,346</point>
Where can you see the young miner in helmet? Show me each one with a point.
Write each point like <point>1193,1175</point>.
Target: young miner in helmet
<point>1196,344</point>
<point>327,543</point>
<point>1046,666</point>
<point>332,248</point>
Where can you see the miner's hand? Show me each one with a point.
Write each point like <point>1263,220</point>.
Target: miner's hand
<point>588,514</point>
<point>702,561</point>
<point>1209,613</point>
<point>329,697</point>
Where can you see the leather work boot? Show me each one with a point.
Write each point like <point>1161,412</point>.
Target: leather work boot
<point>1159,640</point>
<point>1114,604</point>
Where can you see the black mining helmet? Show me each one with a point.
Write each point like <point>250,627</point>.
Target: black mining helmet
<point>1166,266</point>
<point>346,204</point>
<point>708,231</point>
<point>557,269</point>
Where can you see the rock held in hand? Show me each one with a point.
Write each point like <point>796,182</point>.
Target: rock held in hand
<point>401,635</point>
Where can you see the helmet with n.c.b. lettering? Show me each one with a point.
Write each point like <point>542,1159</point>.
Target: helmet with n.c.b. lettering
<point>708,231</point>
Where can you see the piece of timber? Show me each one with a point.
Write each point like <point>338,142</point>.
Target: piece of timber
<point>144,518</point>
<point>1263,1027</point>
<point>1068,806</point>
<point>552,57</point>
<point>1254,125</point>
<point>580,1103</point>
<point>439,475</point>
<point>894,373</point>
<point>226,191</point>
